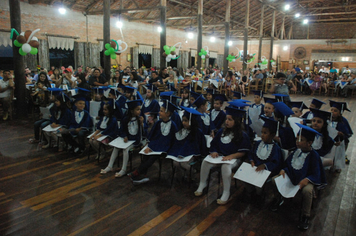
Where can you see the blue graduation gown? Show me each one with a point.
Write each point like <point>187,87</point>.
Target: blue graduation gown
<point>345,128</point>
<point>273,158</point>
<point>177,120</point>
<point>204,124</point>
<point>111,130</point>
<point>161,139</point>
<point>311,168</point>
<point>287,138</point>
<point>188,145</point>
<point>86,122</point>
<point>217,120</point>
<point>64,119</point>
<point>121,101</point>
<point>135,131</point>
<point>260,106</point>
<point>150,106</point>
<point>226,147</point>
<point>321,149</point>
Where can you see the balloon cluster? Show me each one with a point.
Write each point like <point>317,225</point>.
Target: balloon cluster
<point>26,41</point>
<point>114,47</point>
<point>170,52</point>
<point>231,58</point>
<point>264,61</point>
<point>204,53</point>
<point>273,62</point>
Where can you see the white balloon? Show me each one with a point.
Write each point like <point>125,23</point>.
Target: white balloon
<point>34,38</point>
<point>174,56</point>
<point>168,59</point>
<point>233,60</point>
<point>26,48</point>
<point>170,56</point>
<point>119,42</point>
<point>202,56</point>
<point>120,48</point>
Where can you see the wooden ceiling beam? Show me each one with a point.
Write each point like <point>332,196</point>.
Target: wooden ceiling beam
<point>331,7</point>
<point>129,11</point>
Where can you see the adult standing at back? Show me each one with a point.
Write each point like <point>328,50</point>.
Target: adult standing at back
<point>97,79</point>
<point>6,86</point>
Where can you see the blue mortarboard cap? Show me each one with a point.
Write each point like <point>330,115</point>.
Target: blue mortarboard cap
<point>237,95</point>
<point>168,93</point>
<point>134,103</point>
<point>241,100</point>
<point>139,96</point>
<point>100,90</point>
<point>199,101</point>
<point>321,114</point>
<point>270,123</point>
<point>283,109</point>
<point>299,105</point>
<point>307,132</point>
<point>189,112</point>
<point>237,103</point>
<point>270,100</point>
<point>220,97</point>
<point>151,87</point>
<point>341,106</point>
<point>280,97</point>
<point>121,86</point>
<point>83,91</point>
<point>80,97</point>
<point>258,93</point>
<point>194,94</point>
<point>55,91</point>
<point>129,89</point>
<point>317,102</point>
<point>235,112</point>
<point>169,106</point>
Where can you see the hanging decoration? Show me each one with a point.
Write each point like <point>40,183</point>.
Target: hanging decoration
<point>204,53</point>
<point>264,60</point>
<point>171,53</point>
<point>232,58</point>
<point>114,47</point>
<point>273,63</point>
<point>26,41</point>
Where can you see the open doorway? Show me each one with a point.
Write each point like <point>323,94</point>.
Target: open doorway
<point>144,60</point>
<point>61,57</point>
<point>6,58</point>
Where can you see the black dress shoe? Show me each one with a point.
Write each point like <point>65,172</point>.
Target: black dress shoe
<point>304,223</point>
<point>277,203</point>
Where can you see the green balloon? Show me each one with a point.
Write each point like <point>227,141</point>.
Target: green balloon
<point>34,51</point>
<point>107,46</point>
<point>113,56</point>
<point>173,49</point>
<point>22,53</point>
<point>107,53</point>
<point>165,48</point>
<point>17,44</point>
<point>167,51</point>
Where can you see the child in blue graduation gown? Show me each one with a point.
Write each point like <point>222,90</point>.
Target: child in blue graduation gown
<point>204,120</point>
<point>304,168</point>
<point>121,99</point>
<point>297,108</point>
<point>185,98</point>
<point>209,96</point>
<point>323,145</point>
<point>160,140</point>
<point>107,125</point>
<point>80,126</point>
<point>60,116</point>
<point>257,98</point>
<point>218,116</point>
<point>173,99</point>
<point>130,130</point>
<point>230,143</point>
<point>315,104</point>
<point>150,104</point>
<point>189,140</point>
<point>268,110</point>
<point>265,155</point>
<point>341,124</point>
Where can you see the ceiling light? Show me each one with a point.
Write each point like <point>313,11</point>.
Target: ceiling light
<point>287,7</point>
<point>297,15</point>
<point>285,48</point>
<point>159,29</point>
<point>229,43</point>
<point>212,39</point>
<point>62,10</point>
<point>190,35</point>
<point>305,21</point>
<point>119,24</point>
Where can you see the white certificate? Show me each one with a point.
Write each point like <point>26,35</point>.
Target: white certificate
<point>99,139</point>
<point>180,159</point>
<point>119,143</point>
<point>48,128</point>
<point>218,160</point>
<point>285,186</point>
<point>248,174</point>
<point>150,153</point>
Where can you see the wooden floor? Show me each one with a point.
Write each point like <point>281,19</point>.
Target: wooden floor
<point>46,193</point>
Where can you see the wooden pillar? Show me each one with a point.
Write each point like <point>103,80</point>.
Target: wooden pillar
<point>261,33</point>
<point>272,38</point>
<point>282,27</point>
<point>19,68</point>
<point>107,59</point>
<point>227,36</point>
<point>200,32</point>
<point>307,31</point>
<point>244,65</point>
<point>163,19</point>
<point>290,30</point>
